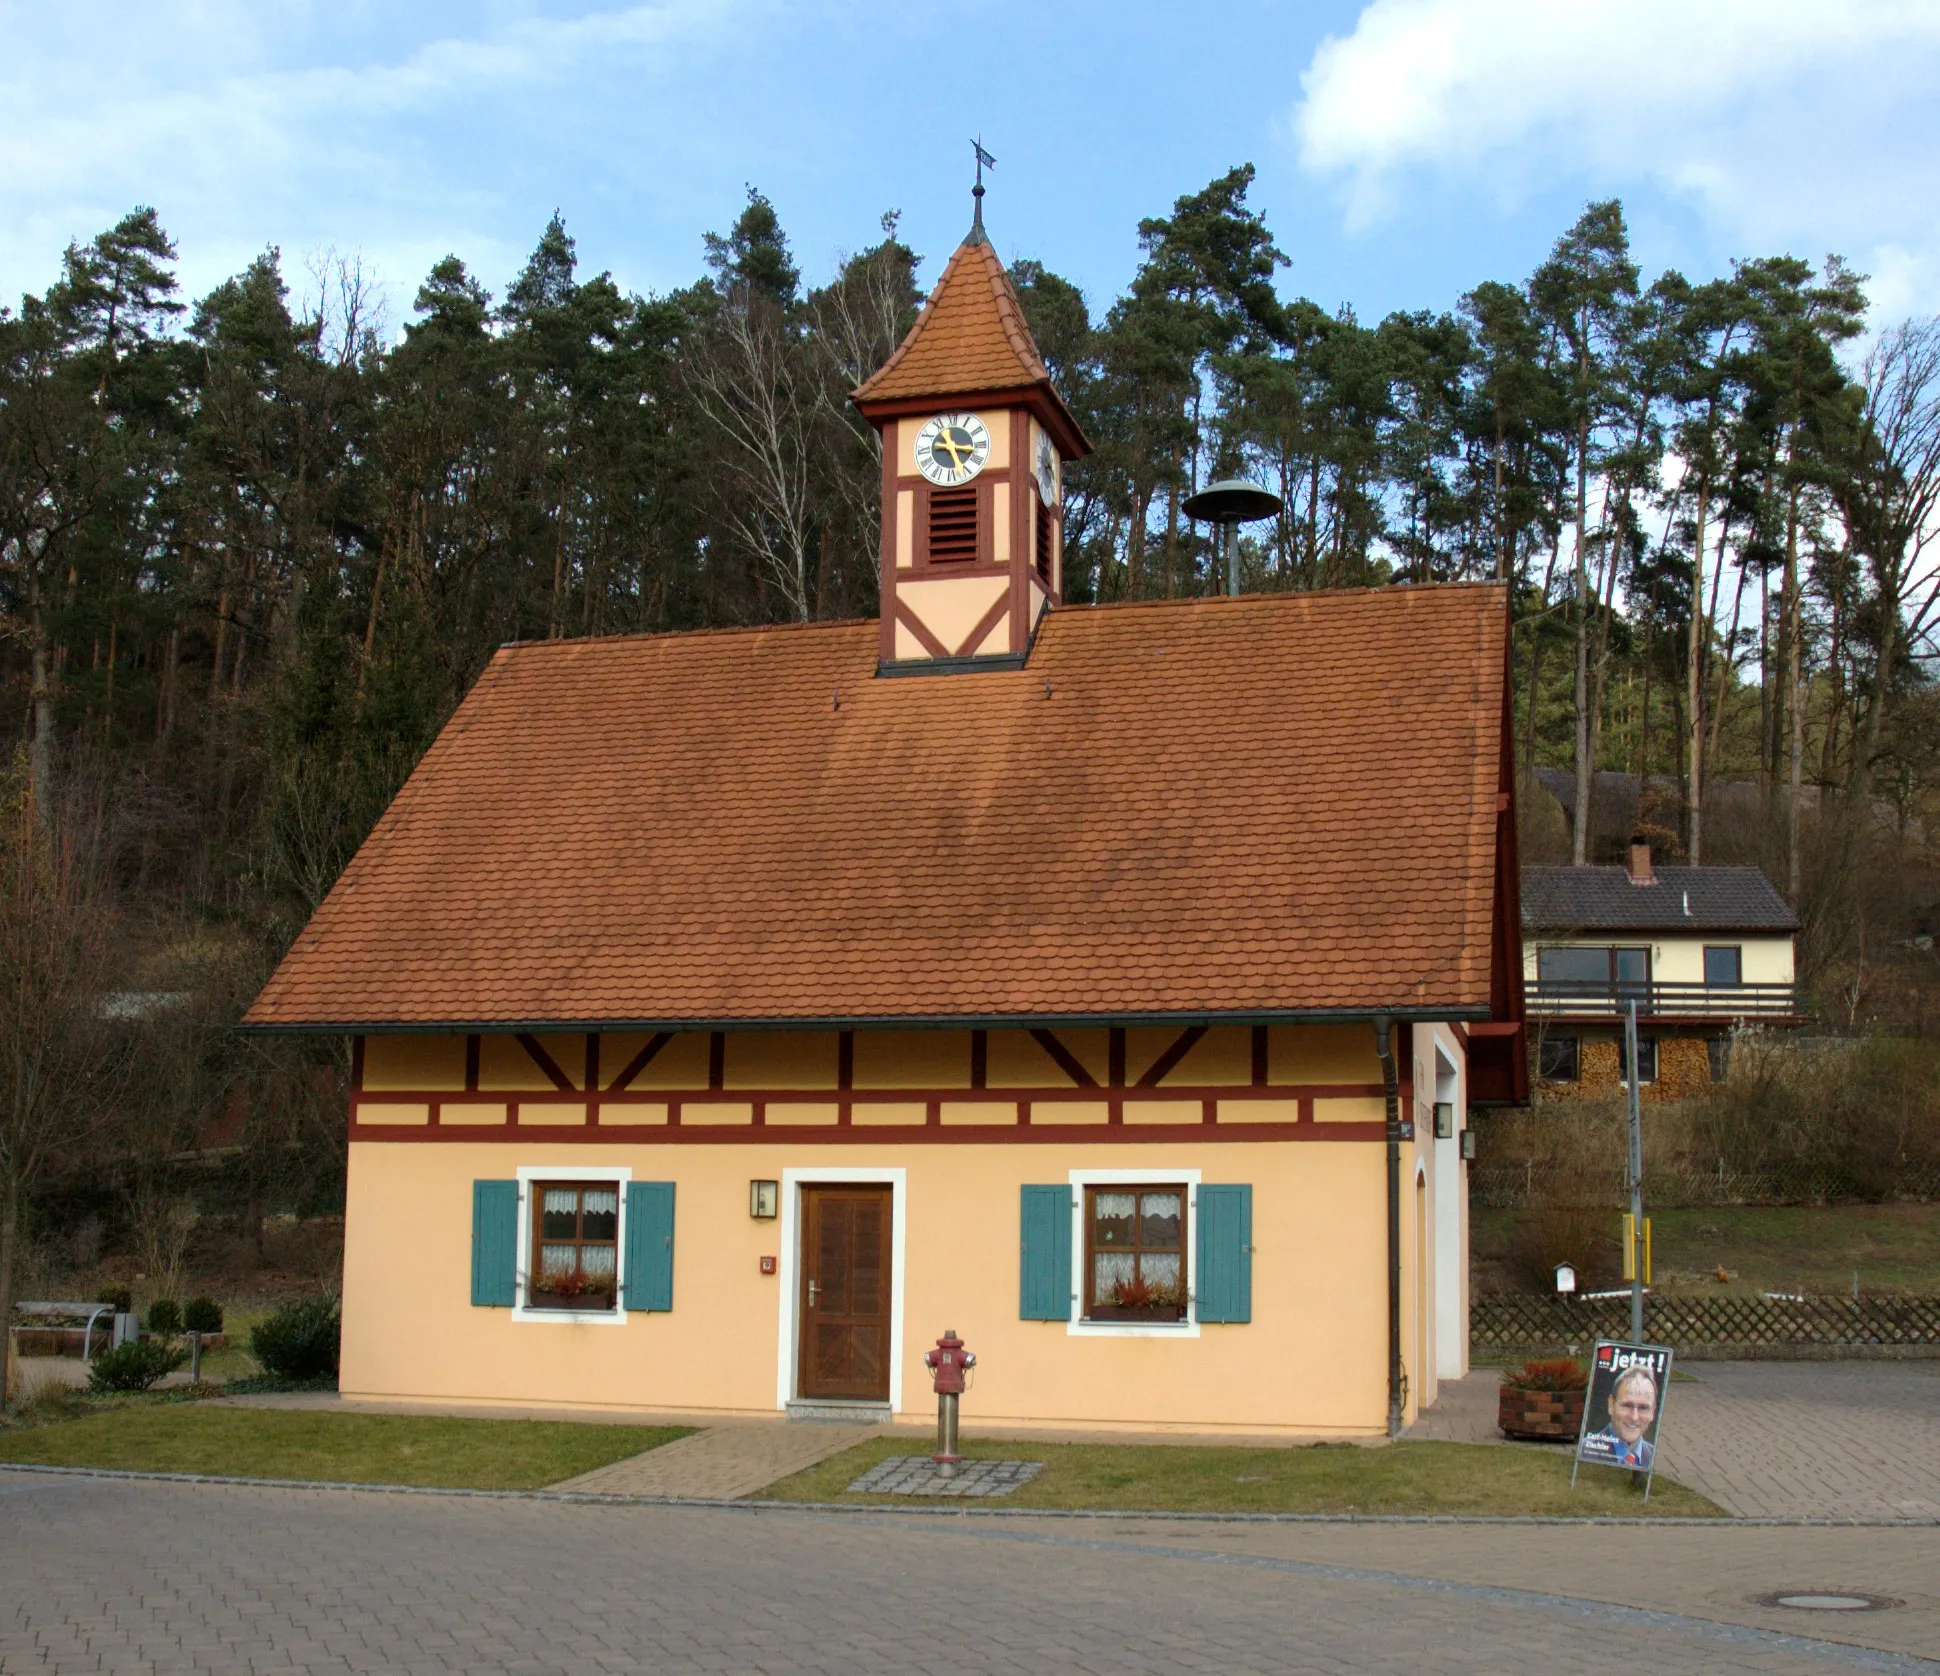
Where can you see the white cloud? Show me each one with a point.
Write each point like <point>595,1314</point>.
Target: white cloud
<point>349,123</point>
<point>1805,123</point>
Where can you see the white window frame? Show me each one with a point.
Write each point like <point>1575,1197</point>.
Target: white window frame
<point>1157,1176</point>
<point>534,1175</point>
<point>896,1178</point>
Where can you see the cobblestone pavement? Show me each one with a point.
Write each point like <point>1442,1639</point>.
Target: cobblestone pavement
<point>104,1575</point>
<point>728,1459</point>
<point>1782,1440</point>
<point>1842,1440</point>
<point>918,1475</point>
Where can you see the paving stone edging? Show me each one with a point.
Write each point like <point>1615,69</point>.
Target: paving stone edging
<point>959,1510</point>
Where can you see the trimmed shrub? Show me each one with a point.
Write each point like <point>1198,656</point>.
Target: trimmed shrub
<point>202,1315</point>
<point>134,1367</point>
<point>300,1340</point>
<point>165,1318</point>
<point>119,1297</point>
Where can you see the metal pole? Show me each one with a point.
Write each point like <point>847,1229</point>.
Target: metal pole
<point>946,1457</point>
<point>1232,559</point>
<point>1636,1174</point>
<point>195,1358</point>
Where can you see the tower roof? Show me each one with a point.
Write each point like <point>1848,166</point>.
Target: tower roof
<point>971,339</point>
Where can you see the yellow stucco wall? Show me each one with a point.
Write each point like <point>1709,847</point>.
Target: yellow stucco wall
<point>1311,1361</point>
<point>1680,959</point>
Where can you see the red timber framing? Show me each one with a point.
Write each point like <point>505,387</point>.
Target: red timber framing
<point>1018,1114</point>
<point>1498,1051</point>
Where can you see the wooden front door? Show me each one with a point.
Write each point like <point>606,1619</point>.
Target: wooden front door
<point>845,1299</point>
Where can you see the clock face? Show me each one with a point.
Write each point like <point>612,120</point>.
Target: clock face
<point>952,448</point>
<point>1047,471</point>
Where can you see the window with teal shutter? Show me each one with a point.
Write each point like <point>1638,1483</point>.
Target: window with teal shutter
<point>1044,1267</point>
<point>495,1244</point>
<point>650,1245</point>
<point>1225,1283</point>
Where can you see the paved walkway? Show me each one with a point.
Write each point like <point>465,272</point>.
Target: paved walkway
<point>730,1458</point>
<point>1822,1440</point>
<point>120,1576</point>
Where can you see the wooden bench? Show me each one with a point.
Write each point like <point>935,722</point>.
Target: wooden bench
<point>61,1318</point>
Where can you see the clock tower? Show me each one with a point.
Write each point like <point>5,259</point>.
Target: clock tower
<point>974,445</point>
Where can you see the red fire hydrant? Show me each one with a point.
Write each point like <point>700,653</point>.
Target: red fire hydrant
<point>947,1364</point>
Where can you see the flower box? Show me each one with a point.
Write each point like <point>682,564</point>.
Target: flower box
<point>1540,1416</point>
<point>572,1302</point>
<point>1137,1312</point>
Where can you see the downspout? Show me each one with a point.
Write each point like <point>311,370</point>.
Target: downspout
<point>1397,1380</point>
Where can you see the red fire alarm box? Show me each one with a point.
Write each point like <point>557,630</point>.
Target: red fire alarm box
<point>767,1265</point>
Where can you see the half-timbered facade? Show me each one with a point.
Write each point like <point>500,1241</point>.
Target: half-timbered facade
<point>735,1011</point>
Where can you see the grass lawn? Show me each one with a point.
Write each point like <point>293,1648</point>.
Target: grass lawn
<point>1317,1478</point>
<point>1778,1248</point>
<point>142,1436</point>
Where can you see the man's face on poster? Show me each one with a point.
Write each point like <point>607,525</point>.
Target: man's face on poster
<point>1633,1405</point>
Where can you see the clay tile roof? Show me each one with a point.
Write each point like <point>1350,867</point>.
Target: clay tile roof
<point>1569,899</point>
<point>970,336</point>
<point>1277,804</point>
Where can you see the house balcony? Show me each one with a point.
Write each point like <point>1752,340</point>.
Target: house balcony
<point>1593,999</point>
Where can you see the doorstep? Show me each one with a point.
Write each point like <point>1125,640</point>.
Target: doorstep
<point>854,1413</point>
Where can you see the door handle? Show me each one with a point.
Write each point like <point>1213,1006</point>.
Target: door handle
<point>811,1294</point>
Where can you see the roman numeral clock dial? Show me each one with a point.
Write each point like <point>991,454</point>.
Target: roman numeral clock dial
<point>952,448</point>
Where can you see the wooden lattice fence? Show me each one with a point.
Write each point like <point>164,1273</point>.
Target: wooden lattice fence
<point>1521,1324</point>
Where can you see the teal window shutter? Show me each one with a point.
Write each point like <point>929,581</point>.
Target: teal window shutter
<point>649,1245</point>
<point>495,1244</point>
<point>1225,1286</point>
<point>1044,1285</point>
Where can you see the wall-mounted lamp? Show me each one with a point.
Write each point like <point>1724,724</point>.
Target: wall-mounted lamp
<point>1468,1145</point>
<point>1565,1278</point>
<point>764,1200</point>
<point>1444,1120</point>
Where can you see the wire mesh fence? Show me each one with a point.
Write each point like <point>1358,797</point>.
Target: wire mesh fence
<point>1530,1324</point>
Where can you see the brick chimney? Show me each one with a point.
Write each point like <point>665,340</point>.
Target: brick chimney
<point>1640,869</point>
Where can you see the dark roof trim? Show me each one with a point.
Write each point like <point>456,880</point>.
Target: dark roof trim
<point>1537,935</point>
<point>881,1021</point>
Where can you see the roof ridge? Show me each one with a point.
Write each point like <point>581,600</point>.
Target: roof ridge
<point>711,631</point>
<point>1263,595</point>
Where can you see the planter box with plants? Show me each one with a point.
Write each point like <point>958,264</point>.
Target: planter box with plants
<point>1542,1402</point>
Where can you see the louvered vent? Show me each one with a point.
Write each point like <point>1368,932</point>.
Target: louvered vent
<point>953,526</point>
<point>1044,543</point>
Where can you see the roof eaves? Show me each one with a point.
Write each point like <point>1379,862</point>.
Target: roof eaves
<point>1411,1013</point>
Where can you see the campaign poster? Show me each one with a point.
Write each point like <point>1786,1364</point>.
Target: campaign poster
<point>1624,1405</point>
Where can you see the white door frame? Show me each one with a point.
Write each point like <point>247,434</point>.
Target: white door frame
<point>788,1368</point>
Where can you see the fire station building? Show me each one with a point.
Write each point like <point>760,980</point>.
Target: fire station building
<point>734,1011</point>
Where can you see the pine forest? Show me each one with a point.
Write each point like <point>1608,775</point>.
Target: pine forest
<point>255,546</point>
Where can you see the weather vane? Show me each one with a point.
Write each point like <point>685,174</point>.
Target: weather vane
<point>984,161</point>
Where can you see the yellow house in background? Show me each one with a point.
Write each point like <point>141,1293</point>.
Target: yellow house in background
<point>736,1011</point>
<point>1704,952</point>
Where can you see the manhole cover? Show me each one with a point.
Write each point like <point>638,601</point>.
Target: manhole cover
<point>1810,1601</point>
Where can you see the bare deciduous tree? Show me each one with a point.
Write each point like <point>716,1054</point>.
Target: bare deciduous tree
<point>60,1059</point>
<point>752,378</point>
<point>1892,510</point>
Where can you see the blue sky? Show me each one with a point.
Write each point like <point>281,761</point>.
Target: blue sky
<point>1406,148</point>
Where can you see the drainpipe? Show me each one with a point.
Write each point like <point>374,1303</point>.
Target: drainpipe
<point>1397,1380</point>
